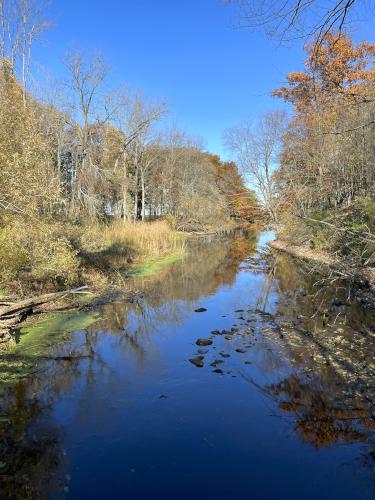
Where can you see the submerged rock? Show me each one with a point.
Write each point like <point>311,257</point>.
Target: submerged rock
<point>228,337</point>
<point>203,351</point>
<point>204,342</point>
<point>217,362</point>
<point>224,355</point>
<point>200,310</point>
<point>198,361</point>
<point>240,350</point>
<point>218,370</point>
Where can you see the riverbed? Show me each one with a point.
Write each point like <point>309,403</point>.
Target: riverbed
<point>276,401</point>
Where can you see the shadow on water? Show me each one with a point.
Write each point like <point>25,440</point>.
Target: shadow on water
<point>282,405</point>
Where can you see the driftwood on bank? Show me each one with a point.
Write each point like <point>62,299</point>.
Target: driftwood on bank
<point>13,313</point>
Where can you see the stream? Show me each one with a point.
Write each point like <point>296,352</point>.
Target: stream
<point>277,401</point>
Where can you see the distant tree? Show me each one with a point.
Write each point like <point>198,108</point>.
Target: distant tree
<point>257,145</point>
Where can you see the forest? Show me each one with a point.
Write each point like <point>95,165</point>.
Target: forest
<point>92,178</point>
<point>313,162</point>
<point>84,165</point>
<point>326,176</point>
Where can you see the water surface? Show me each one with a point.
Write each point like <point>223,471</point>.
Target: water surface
<point>282,408</point>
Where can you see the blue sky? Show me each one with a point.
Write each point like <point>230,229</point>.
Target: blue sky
<point>187,52</point>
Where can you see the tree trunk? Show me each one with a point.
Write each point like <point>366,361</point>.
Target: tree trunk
<point>143,196</point>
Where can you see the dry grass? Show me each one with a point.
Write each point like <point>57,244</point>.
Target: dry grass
<point>57,255</point>
<point>110,250</point>
<point>142,239</point>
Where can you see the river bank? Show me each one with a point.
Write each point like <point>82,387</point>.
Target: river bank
<point>362,276</point>
<point>113,397</point>
<point>108,279</point>
<point>108,260</point>
<point>16,310</point>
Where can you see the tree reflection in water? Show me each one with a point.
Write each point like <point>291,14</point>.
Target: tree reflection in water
<point>32,458</point>
<point>323,417</point>
<point>330,345</point>
<point>318,348</point>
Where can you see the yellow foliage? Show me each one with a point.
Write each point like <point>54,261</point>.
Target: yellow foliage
<point>13,256</point>
<point>27,183</point>
<point>39,250</point>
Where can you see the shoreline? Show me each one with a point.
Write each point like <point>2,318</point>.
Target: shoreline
<point>35,306</point>
<point>83,298</point>
<point>363,276</point>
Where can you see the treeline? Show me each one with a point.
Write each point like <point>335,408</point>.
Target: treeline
<point>314,171</point>
<point>107,158</point>
<point>325,183</point>
<point>80,160</point>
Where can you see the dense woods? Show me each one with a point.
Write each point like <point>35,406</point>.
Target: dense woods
<point>79,156</point>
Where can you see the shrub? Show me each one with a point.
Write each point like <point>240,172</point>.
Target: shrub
<point>55,260</point>
<point>13,256</point>
<point>39,250</point>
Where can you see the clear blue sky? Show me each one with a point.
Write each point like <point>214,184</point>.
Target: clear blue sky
<point>186,52</point>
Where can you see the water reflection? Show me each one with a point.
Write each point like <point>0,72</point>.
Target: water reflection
<point>320,418</point>
<point>303,346</point>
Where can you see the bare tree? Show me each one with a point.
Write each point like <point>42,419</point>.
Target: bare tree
<point>290,19</point>
<point>32,24</point>
<point>22,23</point>
<point>10,30</point>
<point>139,135</point>
<point>86,79</point>
<point>256,145</point>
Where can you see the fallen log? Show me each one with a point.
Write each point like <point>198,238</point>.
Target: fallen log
<point>13,314</point>
<point>37,301</point>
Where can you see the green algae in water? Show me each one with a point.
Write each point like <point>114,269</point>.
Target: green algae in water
<point>154,266</point>
<point>37,338</point>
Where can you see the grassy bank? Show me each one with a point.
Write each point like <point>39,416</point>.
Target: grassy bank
<point>53,256</point>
